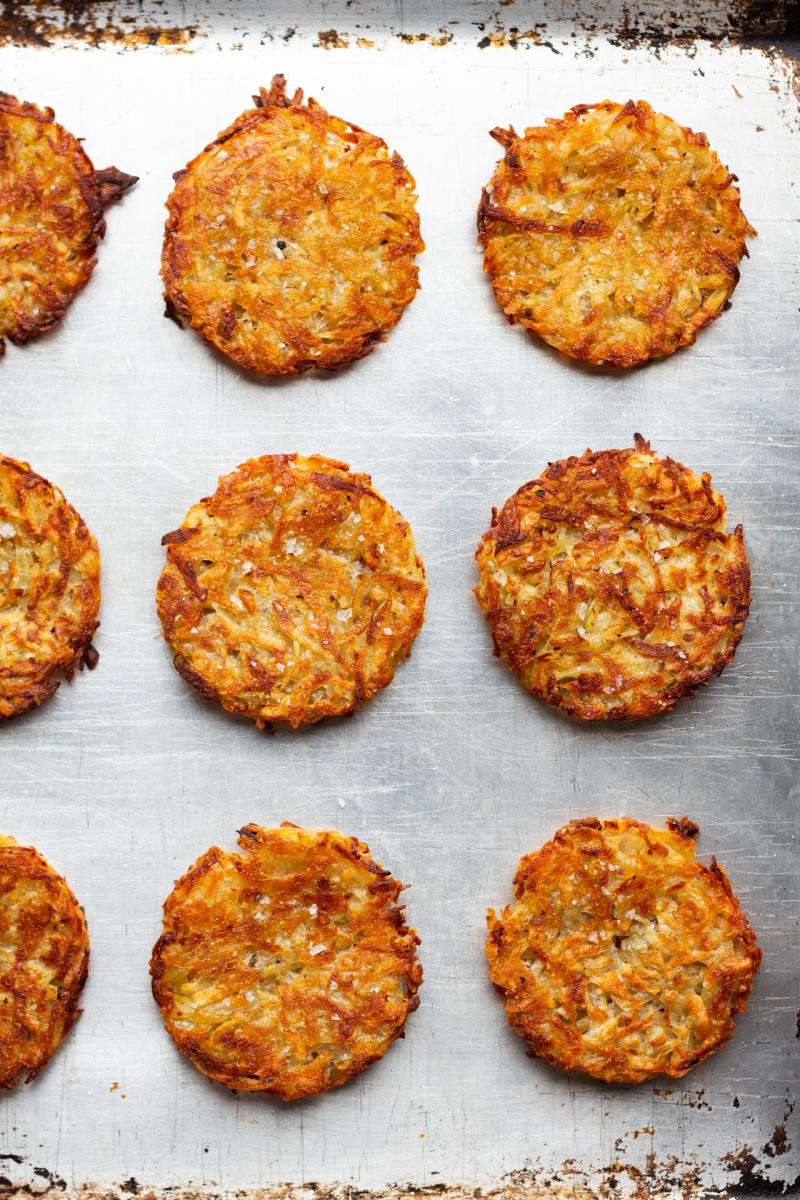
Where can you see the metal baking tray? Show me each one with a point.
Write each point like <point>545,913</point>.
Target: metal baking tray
<point>454,771</point>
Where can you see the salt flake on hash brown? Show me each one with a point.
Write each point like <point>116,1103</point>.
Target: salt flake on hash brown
<point>614,234</point>
<point>51,218</point>
<point>622,956</point>
<point>610,585</point>
<point>49,588</point>
<point>44,961</point>
<point>293,592</point>
<point>290,241</point>
<point>288,968</point>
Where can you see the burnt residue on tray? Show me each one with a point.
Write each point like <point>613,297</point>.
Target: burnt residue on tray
<point>55,22</point>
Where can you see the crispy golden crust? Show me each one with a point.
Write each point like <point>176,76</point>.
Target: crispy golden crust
<point>51,217</point>
<point>291,239</point>
<point>293,592</point>
<point>49,588</point>
<point>613,234</point>
<point>44,961</point>
<point>622,956</point>
<point>611,586</point>
<point>289,968</point>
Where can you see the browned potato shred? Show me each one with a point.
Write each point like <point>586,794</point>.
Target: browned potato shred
<point>614,234</point>
<point>49,588</point>
<point>611,586</point>
<point>622,956</point>
<point>288,968</point>
<point>51,217</point>
<point>44,961</point>
<point>291,239</point>
<point>293,592</point>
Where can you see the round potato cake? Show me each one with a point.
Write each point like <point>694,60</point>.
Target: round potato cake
<point>293,592</point>
<point>288,968</point>
<point>622,956</point>
<point>44,961</point>
<point>610,585</point>
<point>290,240</point>
<point>51,217</point>
<point>614,234</point>
<point>49,588</point>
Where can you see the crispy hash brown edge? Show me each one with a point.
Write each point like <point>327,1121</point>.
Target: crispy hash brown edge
<point>25,684</point>
<point>98,189</point>
<point>309,1079</point>
<point>493,216</point>
<point>546,494</point>
<point>181,203</point>
<point>18,863</point>
<point>179,586</point>
<point>558,1040</point>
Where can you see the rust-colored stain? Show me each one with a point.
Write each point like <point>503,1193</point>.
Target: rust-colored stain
<point>331,40</point>
<point>47,23</point>
<point>445,36</point>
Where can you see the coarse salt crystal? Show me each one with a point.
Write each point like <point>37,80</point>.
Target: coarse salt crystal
<point>581,630</point>
<point>333,986</point>
<point>220,218</point>
<point>501,578</point>
<point>592,937</point>
<point>341,803</point>
<point>278,252</point>
<point>313,910</point>
<point>388,631</point>
<point>222,154</point>
<point>530,558</point>
<point>235,600</point>
<point>656,557</point>
<point>322,188</point>
<point>7,530</point>
<point>594,470</point>
<point>631,914</point>
<point>247,568</point>
<point>344,614</point>
<point>382,548</point>
<point>316,949</point>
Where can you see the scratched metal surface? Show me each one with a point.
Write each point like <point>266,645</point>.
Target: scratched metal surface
<point>453,772</point>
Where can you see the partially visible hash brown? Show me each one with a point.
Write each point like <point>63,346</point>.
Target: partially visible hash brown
<point>293,592</point>
<point>49,588</point>
<point>288,968</point>
<point>290,241</point>
<point>51,217</point>
<point>44,961</point>
<point>622,956</point>
<point>614,234</point>
<point>610,585</point>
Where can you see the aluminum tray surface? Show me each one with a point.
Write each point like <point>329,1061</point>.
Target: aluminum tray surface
<point>452,773</point>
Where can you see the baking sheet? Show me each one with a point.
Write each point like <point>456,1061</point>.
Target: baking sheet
<point>453,772</point>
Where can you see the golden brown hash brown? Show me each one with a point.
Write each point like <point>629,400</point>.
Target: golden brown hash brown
<point>613,234</point>
<point>289,968</point>
<point>49,588</point>
<point>293,592</point>
<point>611,586</point>
<point>290,240</point>
<point>44,960</point>
<point>622,956</point>
<point>51,217</point>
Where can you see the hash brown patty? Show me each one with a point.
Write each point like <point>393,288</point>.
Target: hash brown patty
<point>293,592</point>
<point>610,585</point>
<point>622,956</point>
<point>290,240</point>
<point>44,961</point>
<point>49,588</point>
<point>614,234</point>
<point>51,218</point>
<point>288,968</point>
